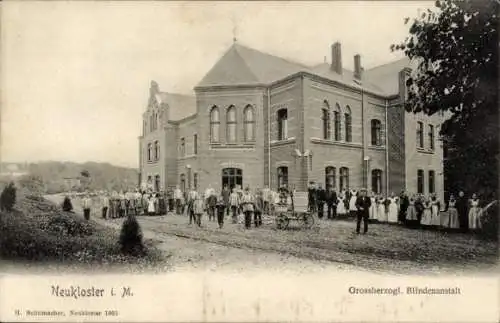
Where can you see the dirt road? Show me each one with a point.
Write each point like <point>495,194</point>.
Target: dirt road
<point>329,245</point>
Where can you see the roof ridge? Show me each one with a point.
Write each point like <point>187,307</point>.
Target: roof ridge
<point>290,61</point>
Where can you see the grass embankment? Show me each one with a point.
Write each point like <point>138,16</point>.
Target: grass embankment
<point>38,231</point>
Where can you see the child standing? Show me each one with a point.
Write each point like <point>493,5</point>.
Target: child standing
<point>198,208</point>
<point>221,208</point>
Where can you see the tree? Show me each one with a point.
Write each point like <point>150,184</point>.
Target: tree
<point>8,197</point>
<point>456,48</point>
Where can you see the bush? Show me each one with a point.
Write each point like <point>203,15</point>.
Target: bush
<point>131,237</point>
<point>489,221</point>
<point>8,197</point>
<point>67,206</point>
<point>70,225</point>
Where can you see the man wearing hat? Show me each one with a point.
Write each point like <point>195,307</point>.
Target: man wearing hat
<point>363,204</point>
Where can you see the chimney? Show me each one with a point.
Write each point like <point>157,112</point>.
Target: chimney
<point>336,58</point>
<point>358,70</point>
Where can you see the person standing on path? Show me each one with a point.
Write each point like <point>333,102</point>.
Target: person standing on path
<point>363,204</point>
<point>234,201</point>
<point>221,209</point>
<point>86,205</point>
<point>259,206</point>
<point>320,200</point>
<point>225,198</point>
<point>404,202</point>
<point>105,205</point>
<point>211,202</point>
<point>331,202</point>
<point>461,205</point>
<point>247,201</point>
<point>199,207</point>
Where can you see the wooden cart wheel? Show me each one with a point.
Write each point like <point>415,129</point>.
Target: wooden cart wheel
<point>308,220</point>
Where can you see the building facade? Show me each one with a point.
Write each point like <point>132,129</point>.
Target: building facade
<point>256,119</point>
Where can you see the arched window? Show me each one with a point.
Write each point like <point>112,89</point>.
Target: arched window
<point>377,181</point>
<point>157,150</point>
<point>330,177</point>
<point>183,147</point>
<point>376,126</point>
<point>282,176</point>
<point>149,152</point>
<point>420,181</point>
<point>327,130</point>
<point>432,182</point>
<point>195,181</point>
<point>150,122</point>
<point>431,137</point>
<point>144,127</point>
<point>157,184</point>
<point>344,178</point>
<point>348,124</point>
<point>282,124</point>
<point>249,120</point>
<point>336,120</point>
<point>183,182</point>
<point>214,124</point>
<point>420,134</point>
<point>231,124</point>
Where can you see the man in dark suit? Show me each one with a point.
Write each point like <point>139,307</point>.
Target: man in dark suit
<point>363,204</point>
<point>331,202</point>
<point>403,207</point>
<point>312,197</point>
<point>320,199</point>
<point>461,206</point>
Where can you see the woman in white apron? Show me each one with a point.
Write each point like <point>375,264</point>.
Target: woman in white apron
<point>151,205</point>
<point>352,203</point>
<point>372,210</point>
<point>341,206</point>
<point>393,209</point>
<point>427,214</point>
<point>382,215</point>
<point>435,209</point>
<point>474,213</point>
<point>411,215</point>
<point>453,213</point>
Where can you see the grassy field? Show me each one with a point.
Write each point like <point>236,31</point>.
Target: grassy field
<point>39,232</point>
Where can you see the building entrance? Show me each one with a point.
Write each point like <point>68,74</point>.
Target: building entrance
<point>232,177</point>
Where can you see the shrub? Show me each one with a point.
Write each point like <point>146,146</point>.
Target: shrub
<point>8,197</point>
<point>489,221</point>
<point>70,225</point>
<point>131,237</point>
<point>67,206</point>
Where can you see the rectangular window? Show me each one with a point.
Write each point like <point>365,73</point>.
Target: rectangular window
<point>431,137</point>
<point>420,181</point>
<point>348,128</point>
<point>420,135</point>
<point>183,147</point>
<point>195,144</point>
<point>432,182</point>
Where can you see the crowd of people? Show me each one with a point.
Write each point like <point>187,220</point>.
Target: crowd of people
<point>414,210</point>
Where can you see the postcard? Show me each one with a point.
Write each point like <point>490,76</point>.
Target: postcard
<point>253,161</point>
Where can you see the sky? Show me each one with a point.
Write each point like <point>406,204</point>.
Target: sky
<point>76,75</point>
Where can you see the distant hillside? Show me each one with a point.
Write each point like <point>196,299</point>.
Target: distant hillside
<point>96,176</point>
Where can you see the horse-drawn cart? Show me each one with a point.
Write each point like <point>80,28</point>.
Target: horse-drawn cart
<point>297,211</point>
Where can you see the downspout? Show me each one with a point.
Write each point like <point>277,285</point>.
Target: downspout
<point>363,161</point>
<point>386,149</point>
<point>268,137</point>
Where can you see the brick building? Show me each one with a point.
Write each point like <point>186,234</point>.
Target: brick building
<point>257,119</point>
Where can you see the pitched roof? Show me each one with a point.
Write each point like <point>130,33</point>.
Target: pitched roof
<point>386,76</point>
<point>241,65</point>
<point>181,105</point>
